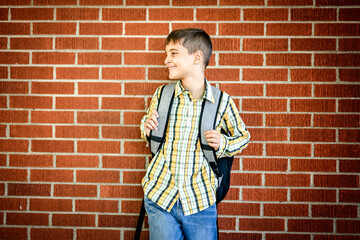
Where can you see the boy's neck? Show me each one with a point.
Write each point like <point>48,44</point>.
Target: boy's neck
<point>195,85</point>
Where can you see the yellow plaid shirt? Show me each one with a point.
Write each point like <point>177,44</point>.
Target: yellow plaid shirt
<point>179,169</point>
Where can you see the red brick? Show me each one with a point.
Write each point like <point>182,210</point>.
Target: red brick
<point>254,224</point>
<point>288,90</point>
<point>141,88</point>
<point>85,234</point>
<point>337,29</point>
<point>60,28</point>
<point>210,28</point>
<point>4,72</point>
<point>349,44</point>
<point>158,44</point>
<point>51,175</point>
<point>255,149</point>
<point>96,206</point>
<point>14,145</point>
<point>51,233</point>
<point>265,44</point>
<point>288,29</point>
<point>313,165</point>
<point>126,73</point>
<point>349,75</point>
<point>103,2</point>
<point>241,29</point>
<point>99,117</point>
<point>30,102</point>
<point>246,179</point>
<point>30,131</point>
<point>11,174</point>
<point>147,2</point>
<point>13,87</point>
<point>225,44</point>
<point>348,226</point>
<point>133,58</point>
<point>268,194</point>
<point>147,28</point>
<point>193,2</point>
<point>334,211</point>
<point>3,132</point>
<point>35,219</point>
<point>289,2</point>
<point>252,74</point>
<point>338,181</point>
<point>102,88</point>
<point>16,189</point>
<point>30,43</point>
<point>3,44</point>
<point>285,149</point>
<point>312,105</point>
<point>32,13</point>
<point>215,74</point>
<point>83,220</point>
<point>265,164</point>
<point>289,236</point>
<point>288,120</point>
<point>77,132</point>
<point>163,73</point>
<point>75,190</point>
<point>122,43</point>
<point>20,160</point>
<point>243,3</point>
<point>171,14</point>
<point>55,2</point>
<point>349,135</point>
<point>130,206</point>
<point>57,205</point>
<point>3,103</point>
<point>76,43</point>
<point>75,161</point>
<point>77,14</point>
<point>120,132</point>
<point>327,120</point>
<point>243,89</point>
<point>241,59</point>
<point>16,204</point>
<point>13,233</point>
<point>290,180</point>
<point>97,176</point>
<point>124,14</point>
<point>343,60</point>
<point>267,134</point>
<point>52,87</point>
<point>103,58</point>
<point>336,2</point>
<point>349,196</point>
<point>77,103</point>
<point>288,59</point>
<point>218,14</point>
<point>133,176</point>
<point>13,28</point>
<point>350,14</point>
<point>53,58</point>
<point>310,225</point>
<point>4,14</point>
<point>269,14</point>
<point>14,58</point>
<point>77,73</point>
<point>136,148</point>
<point>313,14</point>
<point>313,44</point>
<point>98,147</point>
<point>118,191</point>
<point>52,146</point>
<point>237,235</point>
<point>313,75</point>
<point>31,72</point>
<point>123,162</point>
<point>52,117</point>
<point>291,210</point>
<point>15,2</point>
<point>313,135</point>
<point>239,209</point>
<point>101,29</point>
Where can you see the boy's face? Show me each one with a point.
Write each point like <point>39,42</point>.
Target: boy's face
<point>179,61</point>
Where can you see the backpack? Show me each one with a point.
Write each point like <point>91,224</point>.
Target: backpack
<point>221,167</point>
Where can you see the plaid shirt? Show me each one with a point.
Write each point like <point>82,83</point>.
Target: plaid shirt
<point>179,169</point>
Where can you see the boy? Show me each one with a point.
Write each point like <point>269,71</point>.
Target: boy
<point>179,185</point>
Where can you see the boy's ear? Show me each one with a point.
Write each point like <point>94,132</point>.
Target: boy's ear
<point>198,56</point>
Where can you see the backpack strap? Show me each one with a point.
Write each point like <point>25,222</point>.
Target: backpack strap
<point>208,123</point>
<point>157,137</point>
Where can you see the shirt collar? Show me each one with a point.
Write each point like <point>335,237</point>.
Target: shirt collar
<point>208,95</point>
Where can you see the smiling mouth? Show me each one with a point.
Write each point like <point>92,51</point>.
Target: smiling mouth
<point>171,68</point>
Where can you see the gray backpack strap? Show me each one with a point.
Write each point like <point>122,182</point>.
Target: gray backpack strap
<point>208,123</point>
<point>164,106</point>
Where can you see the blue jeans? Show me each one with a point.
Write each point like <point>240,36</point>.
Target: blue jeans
<point>173,225</point>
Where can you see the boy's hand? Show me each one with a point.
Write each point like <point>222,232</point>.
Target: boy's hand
<point>151,123</point>
<point>213,138</point>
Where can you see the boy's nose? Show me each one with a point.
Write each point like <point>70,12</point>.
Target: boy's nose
<point>167,60</point>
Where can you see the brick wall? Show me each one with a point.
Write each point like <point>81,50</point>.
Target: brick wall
<point>77,76</point>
